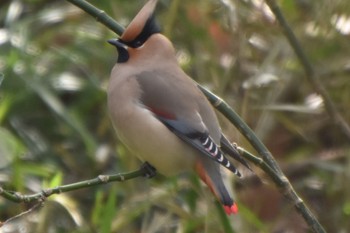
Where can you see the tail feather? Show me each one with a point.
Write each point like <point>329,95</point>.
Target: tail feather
<point>233,209</point>
<point>211,176</point>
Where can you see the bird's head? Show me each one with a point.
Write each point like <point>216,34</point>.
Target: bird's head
<point>138,31</point>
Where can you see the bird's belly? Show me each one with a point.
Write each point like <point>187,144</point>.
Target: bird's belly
<point>150,140</point>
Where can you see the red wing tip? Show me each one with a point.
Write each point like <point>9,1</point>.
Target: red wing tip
<point>233,209</point>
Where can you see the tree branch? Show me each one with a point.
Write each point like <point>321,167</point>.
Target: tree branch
<point>268,164</point>
<point>311,75</point>
<point>101,179</point>
<point>99,15</point>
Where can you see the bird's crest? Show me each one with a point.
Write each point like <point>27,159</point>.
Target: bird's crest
<point>142,26</point>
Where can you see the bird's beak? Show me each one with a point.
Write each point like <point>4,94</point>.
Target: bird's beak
<point>117,43</point>
<point>122,49</point>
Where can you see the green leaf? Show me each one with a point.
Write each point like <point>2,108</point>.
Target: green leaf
<point>225,220</point>
<point>10,147</point>
<point>109,212</point>
<point>56,180</point>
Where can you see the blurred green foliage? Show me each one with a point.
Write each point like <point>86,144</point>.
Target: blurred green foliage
<point>54,127</point>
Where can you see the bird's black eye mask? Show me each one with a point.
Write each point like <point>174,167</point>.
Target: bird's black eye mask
<point>151,27</point>
<point>133,44</point>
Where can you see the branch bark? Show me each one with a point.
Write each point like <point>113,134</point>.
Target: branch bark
<point>40,197</point>
<point>101,179</point>
<point>268,164</point>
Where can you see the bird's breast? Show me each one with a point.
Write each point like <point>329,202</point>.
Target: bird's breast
<point>153,142</point>
<point>144,135</point>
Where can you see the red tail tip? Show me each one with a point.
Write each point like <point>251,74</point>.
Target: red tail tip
<point>233,209</point>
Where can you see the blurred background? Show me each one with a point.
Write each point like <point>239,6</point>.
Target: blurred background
<point>54,126</point>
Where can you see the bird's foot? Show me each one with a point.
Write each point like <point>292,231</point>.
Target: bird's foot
<point>149,170</point>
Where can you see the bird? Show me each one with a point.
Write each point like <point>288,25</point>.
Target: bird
<point>160,114</point>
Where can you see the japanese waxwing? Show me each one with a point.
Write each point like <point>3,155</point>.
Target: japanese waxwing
<point>160,114</point>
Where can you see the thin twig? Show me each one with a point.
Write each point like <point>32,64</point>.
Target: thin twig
<point>237,121</point>
<point>34,207</point>
<point>311,75</point>
<point>101,179</point>
<point>99,15</point>
<point>268,163</point>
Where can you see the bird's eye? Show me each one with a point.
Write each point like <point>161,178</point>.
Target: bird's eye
<point>137,44</point>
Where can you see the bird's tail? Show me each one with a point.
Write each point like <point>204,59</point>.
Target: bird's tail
<point>209,173</point>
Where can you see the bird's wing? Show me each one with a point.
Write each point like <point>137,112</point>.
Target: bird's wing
<point>201,141</point>
<point>176,106</point>
<point>229,149</point>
